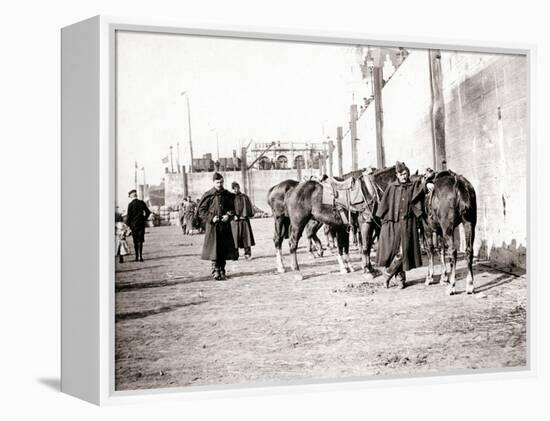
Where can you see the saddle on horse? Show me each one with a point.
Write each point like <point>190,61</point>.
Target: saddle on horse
<point>344,196</point>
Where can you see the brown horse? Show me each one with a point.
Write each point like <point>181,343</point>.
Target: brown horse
<point>452,202</point>
<point>299,207</point>
<point>277,197</point>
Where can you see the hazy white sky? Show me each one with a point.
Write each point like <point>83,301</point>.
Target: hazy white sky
<point>244,89</point>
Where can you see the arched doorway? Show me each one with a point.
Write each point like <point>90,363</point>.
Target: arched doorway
<point>299,162</point>
<point>282,162</point>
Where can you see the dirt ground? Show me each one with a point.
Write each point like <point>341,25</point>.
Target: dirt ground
<point>176,327</point>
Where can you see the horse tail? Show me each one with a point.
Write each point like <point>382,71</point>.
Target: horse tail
<point>467,201</point>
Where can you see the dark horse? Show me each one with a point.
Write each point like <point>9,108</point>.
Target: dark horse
<point>296,206</point>
<point>451,202</point>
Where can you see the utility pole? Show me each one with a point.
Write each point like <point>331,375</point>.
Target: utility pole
<point>145,192</point>
<point>189,126</point>
<point>379,116</point>
<point>185,186</point>
<point>171,161</point>
<point>330,157</point>
<point>438,110</point>
<point>178,158</point>
<point>353,136</point>
<point>339,137</point>
<point>135,176</point>
<point>244,170</point>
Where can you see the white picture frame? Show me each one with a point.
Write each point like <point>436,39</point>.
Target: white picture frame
<point>88,160</point>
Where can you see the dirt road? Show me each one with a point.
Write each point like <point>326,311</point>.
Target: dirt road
<point>177,327</point>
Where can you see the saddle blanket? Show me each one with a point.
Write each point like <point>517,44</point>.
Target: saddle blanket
<point>347,194</point>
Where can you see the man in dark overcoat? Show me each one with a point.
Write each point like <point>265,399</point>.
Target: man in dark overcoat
<point>240,225</point>
<point>136,219</point>
<point>399,209</point>
<point>216,209</point>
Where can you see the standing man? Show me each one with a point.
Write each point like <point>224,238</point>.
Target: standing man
<point>137,215</point>
<point>182,208</point>
<point>240,225</point>
<point>216,209</point>
<point>401,205</point>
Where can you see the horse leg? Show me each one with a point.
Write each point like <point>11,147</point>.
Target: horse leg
<point>443,266</point>
<point>347,260</point>
<point>448,239</point>
<point>314,240</point>
<point>295,234</point>
<point>367,231</point>
<point>278,241</point>
<point>469,234</point>
<point>340,240</point>
<point>430,249</point>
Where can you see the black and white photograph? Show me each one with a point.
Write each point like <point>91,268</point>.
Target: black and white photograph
<point>298,212</point>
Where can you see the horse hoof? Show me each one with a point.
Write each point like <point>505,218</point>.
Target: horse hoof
<point>298,277</point>
<point>351,269</point>
<point>281,270</point>
<point>451,291</point>
<point>470,290</point>
<point>343,271</point>
<point>444,280</point>
<point>429,280</point>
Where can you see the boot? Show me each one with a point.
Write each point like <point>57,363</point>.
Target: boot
<point>141,252</point>
<point>120,259</point>
<point>215,272</point>
<point>386,276</point>
<point>401,278</point>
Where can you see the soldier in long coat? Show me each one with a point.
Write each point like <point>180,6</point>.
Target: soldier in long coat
<point>136,219</point>
<point>216,209</point>
<point>399,246</point>
<point>240,225</point>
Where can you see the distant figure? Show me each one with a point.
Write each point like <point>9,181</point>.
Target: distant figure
<point>240,225</point>
<point>136,217</point>
<point>182,208</point>
<point>121,233</point>
<point>399,245</point>
<point>189,217</point>
<point>216,209</point>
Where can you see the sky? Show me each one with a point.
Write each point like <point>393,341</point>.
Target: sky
<point>238,89</point>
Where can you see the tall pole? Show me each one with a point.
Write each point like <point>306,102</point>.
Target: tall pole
<point>189,127</point>
<point>217,146</point>
<point>379,117</point>
<point>185,185</point>
<point>178,158</point>
<point>339,137</point>
<point>353,136</point>
<point>135,175</point>
<point>438,110</point>
<point>330,158</point>
<point>145,192</point>
<point>244,168</point>
<point>171,161</point>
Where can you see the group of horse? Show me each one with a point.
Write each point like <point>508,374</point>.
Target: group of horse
<point>301,206</point>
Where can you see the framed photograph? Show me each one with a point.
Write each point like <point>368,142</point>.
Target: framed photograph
<point>246,209</point>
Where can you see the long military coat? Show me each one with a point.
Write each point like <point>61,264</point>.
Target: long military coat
<point>218,238</point>
<point>399,209</point>
<point>240,225</point>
